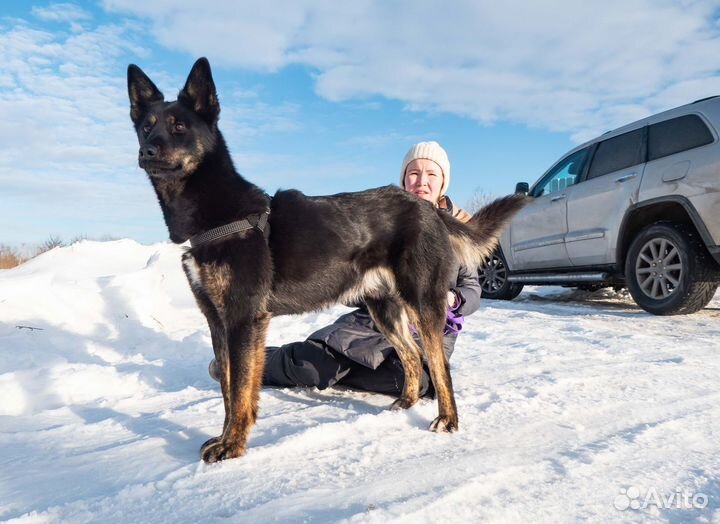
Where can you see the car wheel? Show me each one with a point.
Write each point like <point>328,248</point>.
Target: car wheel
<point>667,272</point>
<point>493,279</point>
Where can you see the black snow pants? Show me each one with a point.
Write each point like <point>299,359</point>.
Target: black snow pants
<point>311,363</point>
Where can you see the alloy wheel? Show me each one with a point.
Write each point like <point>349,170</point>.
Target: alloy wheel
<point>658,268</point>
<point>493,275</point>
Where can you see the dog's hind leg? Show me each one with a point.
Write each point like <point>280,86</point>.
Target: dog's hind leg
<point>430,322</point>
<point>391,318</point>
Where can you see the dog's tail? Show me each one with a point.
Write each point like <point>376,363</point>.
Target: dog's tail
<point>476,239</point>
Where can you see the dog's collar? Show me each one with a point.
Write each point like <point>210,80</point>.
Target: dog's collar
<point>257,221</point>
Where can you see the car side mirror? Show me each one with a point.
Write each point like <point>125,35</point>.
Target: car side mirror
<point>522,188</point>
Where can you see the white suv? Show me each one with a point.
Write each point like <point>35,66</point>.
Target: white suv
<point>638,207</point>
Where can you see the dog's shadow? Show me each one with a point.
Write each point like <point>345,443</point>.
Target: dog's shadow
<point>296,410</point>
<point>179,440</point>
<point>302,409</point>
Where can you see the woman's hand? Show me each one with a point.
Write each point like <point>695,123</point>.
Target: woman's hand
<point>452,299</point>
<point>454,320</point>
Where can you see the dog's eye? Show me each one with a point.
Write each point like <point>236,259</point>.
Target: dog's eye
<point>179,127</point>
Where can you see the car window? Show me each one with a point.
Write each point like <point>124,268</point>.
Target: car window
<point>565,174</point>
<point>676,135</point>
<point>617,153</point>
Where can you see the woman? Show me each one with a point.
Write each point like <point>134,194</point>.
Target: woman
<point>352,351</point>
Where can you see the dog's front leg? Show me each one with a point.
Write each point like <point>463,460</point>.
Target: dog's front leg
<point>217,334</point>
<point>217,331</point>
<point>245,340</point>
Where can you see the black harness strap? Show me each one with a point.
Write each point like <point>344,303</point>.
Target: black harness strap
<point>257,221</point>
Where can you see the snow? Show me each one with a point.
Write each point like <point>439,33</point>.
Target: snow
<point>567,399</point>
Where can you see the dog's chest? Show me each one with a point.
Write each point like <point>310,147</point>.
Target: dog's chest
<point>192,271</point>
<point>210,279</point>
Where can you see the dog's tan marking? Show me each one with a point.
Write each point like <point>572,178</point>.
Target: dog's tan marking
<point>447,419</point>
<point>375,283</point>
<point>409,353</point>
<point>394,324</point>
<point>188,158</point>
<point>244,391</point>
<point>467,252</point>
<point>212,314</point>
<point>212,278</point>
<point>216,279</point>
<point>258,365</point>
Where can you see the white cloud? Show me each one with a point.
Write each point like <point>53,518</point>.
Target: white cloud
<point>68,153</point>
<point>67,148</point>
<point>577,67</point>
<point>61,12</point>
<point>241,119</point>
<point>64,104</point>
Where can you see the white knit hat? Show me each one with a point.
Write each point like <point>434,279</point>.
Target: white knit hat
<point>430,151</point>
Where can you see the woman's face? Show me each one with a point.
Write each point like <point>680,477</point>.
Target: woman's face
<point>424,178</point>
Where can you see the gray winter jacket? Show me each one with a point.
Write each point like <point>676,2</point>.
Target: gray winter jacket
<point>356,336</point>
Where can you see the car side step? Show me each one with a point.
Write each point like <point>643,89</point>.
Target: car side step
<point>559,277</point>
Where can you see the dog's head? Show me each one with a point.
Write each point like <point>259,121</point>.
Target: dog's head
<point>176,136</point>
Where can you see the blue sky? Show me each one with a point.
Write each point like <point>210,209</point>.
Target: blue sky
<point>326,96</point>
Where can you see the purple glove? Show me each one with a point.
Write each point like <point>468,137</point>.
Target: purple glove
<point>454,321</point>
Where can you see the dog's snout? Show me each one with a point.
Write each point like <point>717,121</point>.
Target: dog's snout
<point>148,152</point>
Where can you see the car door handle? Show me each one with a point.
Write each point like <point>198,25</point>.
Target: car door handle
<point>627,177</point>
<point>558,198</point>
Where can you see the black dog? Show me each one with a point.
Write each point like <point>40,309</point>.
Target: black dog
<point>253,256</point>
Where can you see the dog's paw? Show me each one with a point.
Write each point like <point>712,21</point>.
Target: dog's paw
<point>217,449</point>
<point>444,424</point>
<point>209,442</point>
<point>402,403</point>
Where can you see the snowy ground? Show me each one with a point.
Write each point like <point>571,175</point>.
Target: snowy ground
<point>571,405</point>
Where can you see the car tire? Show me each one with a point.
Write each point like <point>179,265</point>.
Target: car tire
<point>667,271</point>
<point>493,279</point>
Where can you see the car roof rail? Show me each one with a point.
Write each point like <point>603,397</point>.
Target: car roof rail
<point>691,103</point>
<point>706,98</point>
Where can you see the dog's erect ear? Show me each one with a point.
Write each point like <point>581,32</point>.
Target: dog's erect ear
<point>142,92</point>
<point>199,91</point>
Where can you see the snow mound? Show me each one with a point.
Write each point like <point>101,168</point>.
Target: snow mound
<point>567,400</point>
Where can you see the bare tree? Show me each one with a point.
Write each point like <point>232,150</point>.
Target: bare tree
<point>51,243</point>
<point>479,199</point>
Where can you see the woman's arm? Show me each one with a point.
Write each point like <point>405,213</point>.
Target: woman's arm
<point>467,291</point>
